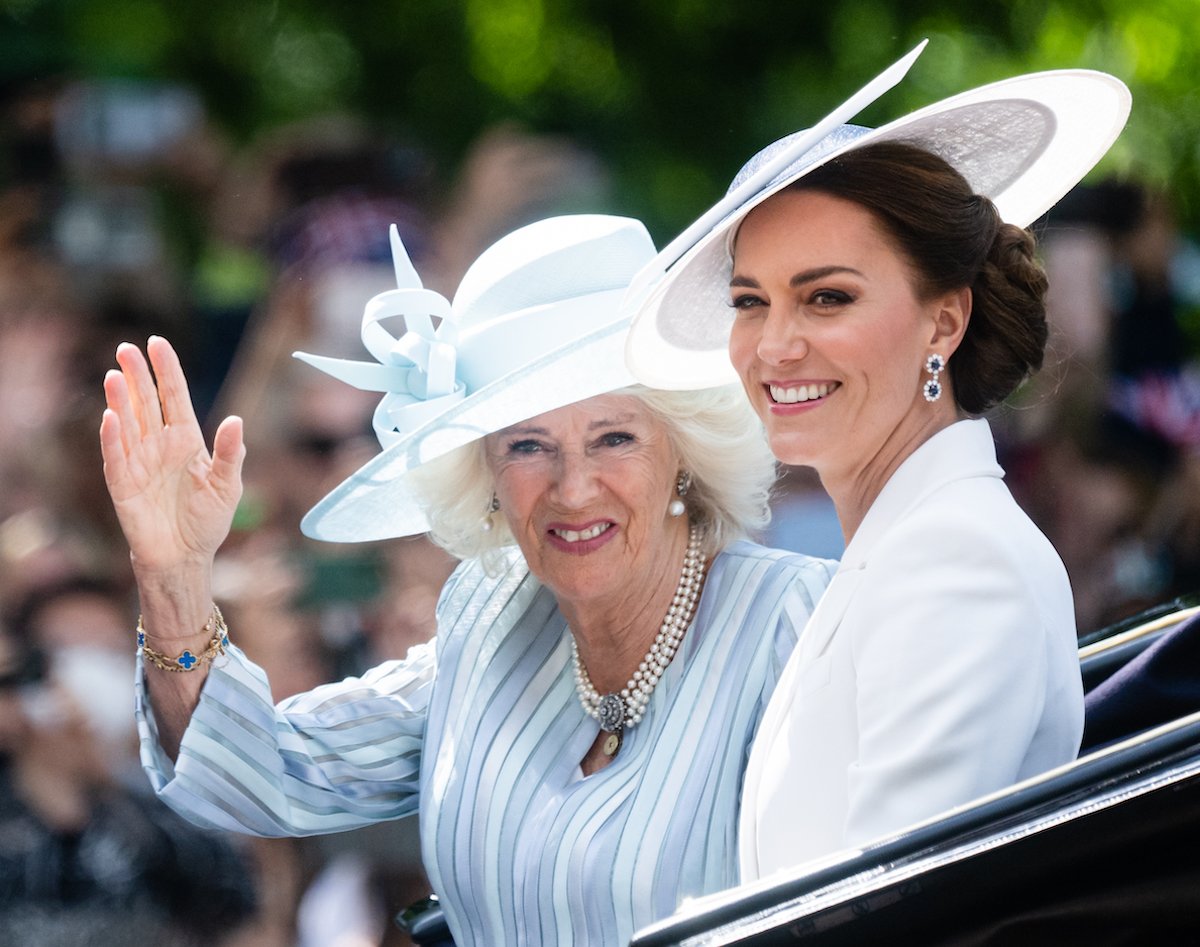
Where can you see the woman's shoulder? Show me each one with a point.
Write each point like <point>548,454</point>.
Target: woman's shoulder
<point>972,548</point>
<point>492,592</point>
<point>747,566</point>
<point>472,577</point>
<point>977,519</point>
<point>761,598</point>
<point>747,551</point>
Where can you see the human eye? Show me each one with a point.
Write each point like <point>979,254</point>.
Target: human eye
<point>525,445</point>
<point>616,438</point>
<point>830,298</point>
<point>743,302</point>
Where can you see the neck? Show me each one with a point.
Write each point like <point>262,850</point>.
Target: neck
<point>854,490</point>
<point>614,636</point>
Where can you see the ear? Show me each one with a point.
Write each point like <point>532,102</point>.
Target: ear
<point>951,314</point>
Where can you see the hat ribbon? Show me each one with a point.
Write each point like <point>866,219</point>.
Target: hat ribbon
<point>417,371</point>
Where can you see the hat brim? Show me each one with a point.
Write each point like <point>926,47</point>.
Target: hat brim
<point>378,501</point>
<point>1024,142</point>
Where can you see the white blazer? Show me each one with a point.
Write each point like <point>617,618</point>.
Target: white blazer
<point>940,665</point>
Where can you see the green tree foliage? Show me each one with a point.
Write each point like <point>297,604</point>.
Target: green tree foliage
<point>672,93</point>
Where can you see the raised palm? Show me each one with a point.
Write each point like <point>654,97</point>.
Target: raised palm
<point>175,501</point>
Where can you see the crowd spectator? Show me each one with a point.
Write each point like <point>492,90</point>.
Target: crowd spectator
<point>87,853</point>
<point>1104,451</point>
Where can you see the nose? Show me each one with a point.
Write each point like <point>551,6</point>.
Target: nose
<point>782,339</point>
<point>577,483</point>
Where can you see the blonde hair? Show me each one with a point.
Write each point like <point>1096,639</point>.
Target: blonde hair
<point>716,434</point>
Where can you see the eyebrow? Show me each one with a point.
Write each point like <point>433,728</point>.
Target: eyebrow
<point>800,279</point>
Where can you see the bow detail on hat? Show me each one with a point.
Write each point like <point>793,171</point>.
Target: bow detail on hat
<point>417,370</point>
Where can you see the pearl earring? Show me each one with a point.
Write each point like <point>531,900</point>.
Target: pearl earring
<point>683,483</point>
<point>492,507</point>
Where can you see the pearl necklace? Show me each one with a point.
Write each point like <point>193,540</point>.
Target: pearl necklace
<point>616,712</point>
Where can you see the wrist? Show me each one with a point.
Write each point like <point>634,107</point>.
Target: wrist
<point>215,635</point>
<point>176,607</point>
<point>190,574</point>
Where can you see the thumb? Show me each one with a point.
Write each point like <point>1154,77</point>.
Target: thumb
<point>229,451</point>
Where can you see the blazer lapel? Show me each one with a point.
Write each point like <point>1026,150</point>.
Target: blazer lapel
<point>817,634</point>
<point>827,616</point>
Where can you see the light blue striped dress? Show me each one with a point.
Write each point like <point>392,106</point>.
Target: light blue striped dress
<point>482,733</point>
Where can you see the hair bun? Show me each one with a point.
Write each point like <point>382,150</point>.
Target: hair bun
<point>1006,338</point>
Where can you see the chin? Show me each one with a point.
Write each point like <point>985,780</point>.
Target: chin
<point>791,450</point>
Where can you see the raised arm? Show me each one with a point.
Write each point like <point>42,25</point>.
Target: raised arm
<point>175,502</point>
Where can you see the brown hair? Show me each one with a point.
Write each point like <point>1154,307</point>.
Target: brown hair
<point>953,237</point>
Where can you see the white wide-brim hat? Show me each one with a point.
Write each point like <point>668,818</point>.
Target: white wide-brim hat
<point>1023,142</point>
<point>535,325</point>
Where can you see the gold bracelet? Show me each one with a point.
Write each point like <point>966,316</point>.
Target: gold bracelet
<point>188,661</point>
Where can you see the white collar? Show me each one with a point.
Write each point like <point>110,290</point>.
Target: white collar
<point>963,450</point>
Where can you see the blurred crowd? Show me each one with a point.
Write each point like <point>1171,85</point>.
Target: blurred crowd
<point>124,212</point>
<point>1104,447</point>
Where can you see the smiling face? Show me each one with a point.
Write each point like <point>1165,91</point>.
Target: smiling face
<point>585,491</point>
<point>830,336</point>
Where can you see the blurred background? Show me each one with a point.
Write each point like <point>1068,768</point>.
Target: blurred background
<point>224,174</point>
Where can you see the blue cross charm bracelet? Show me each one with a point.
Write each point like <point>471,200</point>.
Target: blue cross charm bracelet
<point>187,661</point>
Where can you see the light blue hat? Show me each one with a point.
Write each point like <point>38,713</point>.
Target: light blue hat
<point>535,325</point>
<point>1023,142</point>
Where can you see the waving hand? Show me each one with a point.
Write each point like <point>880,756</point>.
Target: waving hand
<point>174,500</point>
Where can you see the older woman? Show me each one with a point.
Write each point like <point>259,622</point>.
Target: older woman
<point>881,304</point>
<point>570,740</point>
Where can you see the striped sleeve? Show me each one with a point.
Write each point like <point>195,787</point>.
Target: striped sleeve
<point>333,758</point>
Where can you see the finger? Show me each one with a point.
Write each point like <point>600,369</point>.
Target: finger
<point>116,395</point>
<point>143,394</point>
<point>112,448</point>
<point>229,452</point>
<point>175,400</point>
